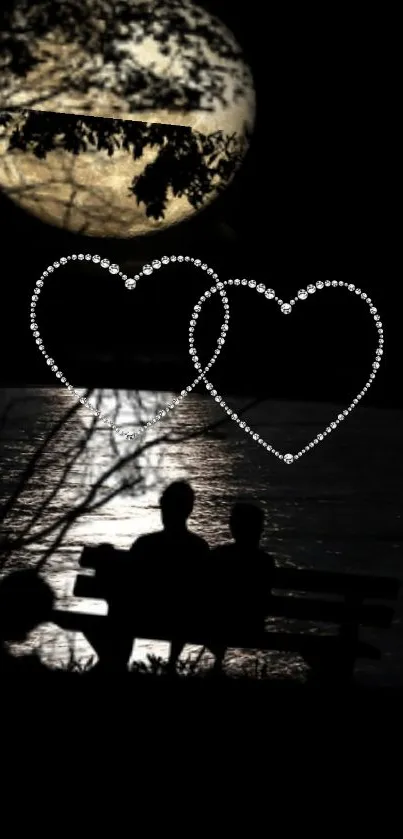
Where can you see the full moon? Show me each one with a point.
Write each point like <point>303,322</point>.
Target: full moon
<point>158,63</point>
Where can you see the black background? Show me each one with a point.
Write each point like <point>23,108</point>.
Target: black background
<point>315,199</point>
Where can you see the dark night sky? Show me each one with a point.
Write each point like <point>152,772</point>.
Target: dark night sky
<point>312,201</point>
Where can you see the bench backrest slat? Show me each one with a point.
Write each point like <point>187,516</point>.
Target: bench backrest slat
<point>292,579</point>
<point>333,582</point>
<point>298,608</point>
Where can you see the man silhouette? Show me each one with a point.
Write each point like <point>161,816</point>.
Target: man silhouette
<point>173,559</point>
<point>244,574</point>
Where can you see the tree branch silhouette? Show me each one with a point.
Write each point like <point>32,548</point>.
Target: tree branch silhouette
<point>187,163</point>
<point>104,33</point>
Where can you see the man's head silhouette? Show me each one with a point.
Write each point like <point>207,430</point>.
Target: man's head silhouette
<point>176,505</point>
<point>25,602</point>
<point>246,524</point>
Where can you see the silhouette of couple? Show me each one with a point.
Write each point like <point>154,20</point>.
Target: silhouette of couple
<point>213,591</point>
<point>201,592</point>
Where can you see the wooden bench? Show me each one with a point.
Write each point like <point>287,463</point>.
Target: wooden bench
<point>340,603</point>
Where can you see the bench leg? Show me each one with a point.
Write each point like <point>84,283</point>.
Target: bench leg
<point>175,651</point>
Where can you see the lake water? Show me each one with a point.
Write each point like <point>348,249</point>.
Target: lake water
<point>338,508</point>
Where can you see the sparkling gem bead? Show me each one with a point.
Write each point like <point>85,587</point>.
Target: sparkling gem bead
<point>56,264</point>
<point>244,282</point>
<point>288,458</point>
<point>165,260</point>
<point>81,256</point>
<point>209,270</point>
<point>87,257</point>
<point>114,269</point>
<point>261,288</point>
<point>96,258</point>
<point>319,284</point>
<point>302,294</point>
<point>197,262</point>
<point>156,263</point>
<point>63,260</point>
<point>104,263</point>
<point>180,259</point>
<point>351,287</point>
<point>334,283</point>
<point>147,269</point>
<point>311,288</point>
<point>373,310</point>
<point>327,283</point>
<point>130,283</point>
<point>252,283</point>
<point>286,308</point>
<point>50,268</point>
<point>270,293</point>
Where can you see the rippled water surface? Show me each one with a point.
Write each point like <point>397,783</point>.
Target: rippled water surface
<point>338,508</point>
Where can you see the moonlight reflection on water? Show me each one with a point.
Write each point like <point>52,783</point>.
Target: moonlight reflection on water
<point>337,509</point>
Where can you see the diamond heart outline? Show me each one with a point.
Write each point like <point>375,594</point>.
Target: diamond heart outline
<point>286,309</point>
<point>130,283</point>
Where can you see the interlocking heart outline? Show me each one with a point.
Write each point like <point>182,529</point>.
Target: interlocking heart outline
<point>268,293</point>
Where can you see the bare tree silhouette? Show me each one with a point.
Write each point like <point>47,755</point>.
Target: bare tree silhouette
<point>187,163</point>
<point>101,34</point>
